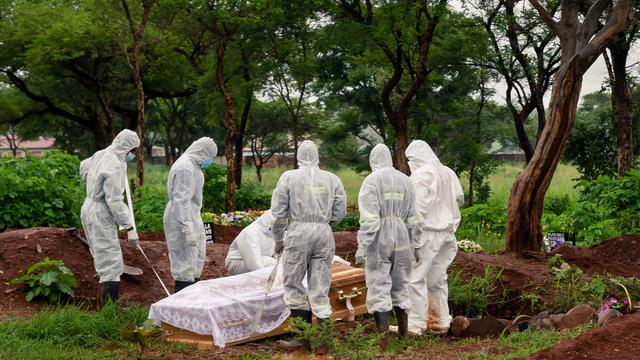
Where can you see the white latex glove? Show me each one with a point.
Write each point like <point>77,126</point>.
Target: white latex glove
<point>191,238</point>
<point>360,255</point>
<point>133,237</point>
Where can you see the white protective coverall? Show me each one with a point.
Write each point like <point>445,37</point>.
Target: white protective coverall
<point>438,198</point>
<point>183,226</point>
<point>104,208</point>
<point>388,222</point>
<point>306,203</point>
<point>253,249</point>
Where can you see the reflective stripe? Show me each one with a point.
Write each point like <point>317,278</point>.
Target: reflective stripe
<point>415,219</point>
<point>369,217</point>
<point>315,189</point>
<point>394,196</point>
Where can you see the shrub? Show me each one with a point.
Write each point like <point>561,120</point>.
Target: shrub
<point>351,222</point>
<point>49,279</point>
<point>148,205</point>
<point>473,297</point>
<point>249,196</point>
<point>40,191</point>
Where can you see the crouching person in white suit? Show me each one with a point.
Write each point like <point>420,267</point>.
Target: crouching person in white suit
<point>253,249</point>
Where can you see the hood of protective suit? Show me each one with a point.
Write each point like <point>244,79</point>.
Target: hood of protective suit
<point>124,142</point>
<point>380,157</point>
<point>202,149</point>
<point>419,153</point>
<point>265,220</point>
<point>307,154</point>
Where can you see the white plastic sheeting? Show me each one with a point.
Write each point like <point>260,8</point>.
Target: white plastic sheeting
<point>225,307</point>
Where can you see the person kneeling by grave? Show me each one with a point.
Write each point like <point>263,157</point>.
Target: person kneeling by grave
<point>253,249</point>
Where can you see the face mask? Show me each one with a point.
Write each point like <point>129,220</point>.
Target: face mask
<point>205,164</point>
<point>129,157</point>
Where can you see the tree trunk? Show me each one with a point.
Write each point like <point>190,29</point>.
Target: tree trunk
<point>229,122</point>
<point>259,172</point>
<point>524,212</point>
<point>472,176</point>
<point>294,134</point>
<point>622,104</point>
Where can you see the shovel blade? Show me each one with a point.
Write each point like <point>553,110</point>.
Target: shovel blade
<point>133,271</point>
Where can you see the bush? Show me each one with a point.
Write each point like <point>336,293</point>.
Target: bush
<point>351,222</point>
<point>249,196</point>
<point>148,205</point>
<point>40,191</point>
<point>49,279</point>
<point>473,297</point>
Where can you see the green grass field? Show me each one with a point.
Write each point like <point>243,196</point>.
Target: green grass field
<point>500,181</point>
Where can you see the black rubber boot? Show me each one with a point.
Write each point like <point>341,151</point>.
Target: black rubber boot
<point>197,279</point>
<point>382,325</point>
<point>403,321</point>
<point>382,320</point>
<point>302,314</point>
<point>109,291</point>
<point>179,285</point>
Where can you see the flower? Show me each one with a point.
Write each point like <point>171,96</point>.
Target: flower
<point>469,246</point>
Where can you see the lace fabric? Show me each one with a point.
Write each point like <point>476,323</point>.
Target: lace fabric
<point>225,308</point>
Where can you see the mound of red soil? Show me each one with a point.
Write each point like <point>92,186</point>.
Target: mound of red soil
<point>518,275</point>
<point>619,340</point>
<point>617,256</point>
<point>19,249</point>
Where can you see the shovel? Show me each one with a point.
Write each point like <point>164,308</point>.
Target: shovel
<point>270,280</point>
<point>128,270</point>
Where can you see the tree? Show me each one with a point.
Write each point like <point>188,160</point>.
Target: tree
<point>137,35</point>
<point>621,99</point>
<point>268,133</point>
<point>581,42</point>
<point>403,31</point>
<point>527,60</point>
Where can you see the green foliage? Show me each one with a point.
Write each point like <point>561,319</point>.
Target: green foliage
<point>351,222</point>
<point>70,332</point>
<point>143,335</point>
<point>49,279</point>
<point>317,336</point>
<point>483,224</point>
<point>148,204</point>
<point>40,191</point>
<point>573,287</point>
<point>250,196</point>
<point>472,297</point>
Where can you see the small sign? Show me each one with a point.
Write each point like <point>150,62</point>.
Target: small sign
<point>208,232</point>
<point>556,239</point>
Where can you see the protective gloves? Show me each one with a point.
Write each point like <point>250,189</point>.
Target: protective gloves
<point>133,237</point>
<point>191,238</point>
<point>417,254</point>
<point>360,255</point>
<point>279,247</point>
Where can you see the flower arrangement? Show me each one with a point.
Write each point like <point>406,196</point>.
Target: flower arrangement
<point>469,246</point>
<point>613,303</point>
<point>236,218</point>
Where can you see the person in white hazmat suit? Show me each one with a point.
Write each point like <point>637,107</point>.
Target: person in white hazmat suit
<point>183,226</point>
<point>104,209</point>
<point>388,227</point>
<point>253,248</point>
<point>306,204</point>
<point>438,198</point>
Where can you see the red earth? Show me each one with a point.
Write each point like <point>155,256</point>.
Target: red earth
<point>21,248</point>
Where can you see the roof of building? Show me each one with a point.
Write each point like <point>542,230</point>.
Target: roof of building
<point>40,143</point>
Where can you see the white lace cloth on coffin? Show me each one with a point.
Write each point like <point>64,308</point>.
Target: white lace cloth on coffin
<point>225,307</point>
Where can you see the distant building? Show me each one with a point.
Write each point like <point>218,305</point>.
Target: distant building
<point>33,147</point>
<point>508,152</point>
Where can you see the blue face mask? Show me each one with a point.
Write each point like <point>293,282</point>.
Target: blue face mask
<point>205,164</point>
<point>129,157</point>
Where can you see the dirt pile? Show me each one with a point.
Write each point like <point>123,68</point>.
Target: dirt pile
<point>518,275</point>
<point>19,249</point>
<point>619,340</point>
<point>617,256</point>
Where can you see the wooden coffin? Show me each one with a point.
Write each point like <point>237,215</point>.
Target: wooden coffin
<point>347,295</point>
